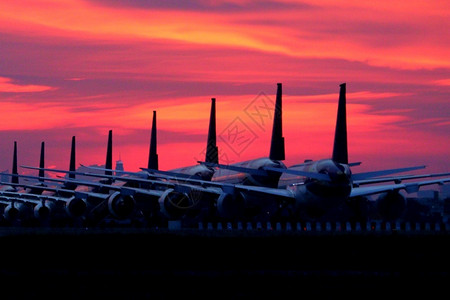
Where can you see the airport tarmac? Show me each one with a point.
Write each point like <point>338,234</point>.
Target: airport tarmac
<point>141,263</point>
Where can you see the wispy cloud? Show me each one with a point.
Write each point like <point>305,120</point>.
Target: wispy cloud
<point>8,86</point>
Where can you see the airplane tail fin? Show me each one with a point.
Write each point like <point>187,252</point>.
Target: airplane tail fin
<point>72,159</point>
<point>153,155</point>
<point>41,162</point>
<point>277,151</point>
<point>212,152</point>
<point>340,149</point>
<point>108,164</point>
<point>15,179</point>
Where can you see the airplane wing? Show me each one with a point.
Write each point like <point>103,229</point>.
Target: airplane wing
<point>77,194</point>
<point>408,187</point>
<point>263,171</point>
<point>367,175</point>
<point>169,173</point>
<point>188,184</point>
<point>127,190</point>
<point>267,191</point>
<point>178,184</point>
<point>138,179</point>
<point>33,198</point>
<point>397,179</point>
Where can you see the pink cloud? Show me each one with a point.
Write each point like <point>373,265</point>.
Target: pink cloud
<point>7,86</point>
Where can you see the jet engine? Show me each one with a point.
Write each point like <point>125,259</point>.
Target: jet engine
<point>269,180</point>
<point>75,207</point>
<point>390,205</point>
<point>17,210</point>
<point>43,209</point>
<point>229,206</point>
<point>175,204</point>
<point>121,206</point>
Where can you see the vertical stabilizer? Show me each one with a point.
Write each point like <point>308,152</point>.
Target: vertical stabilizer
<point>72,159</point>
<point>153,155</point>
<point>277,144</point>
<point>15,179</point>
<point>340,151</point>
<point>212,152</point>
<point>41,162</point>
<point>108,164</point>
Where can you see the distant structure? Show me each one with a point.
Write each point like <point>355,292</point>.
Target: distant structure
<point>119,167</point>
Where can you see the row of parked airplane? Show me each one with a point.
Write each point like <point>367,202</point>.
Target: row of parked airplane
<point>259,189</point>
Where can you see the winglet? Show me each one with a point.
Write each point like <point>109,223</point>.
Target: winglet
<point>153,155</point>
<point>340,151</point>
<point>41,162</point>
<point>72,159</point>
<point>212,152</point>
<point>15,179</point>
<point>277,151</point>
<point>108,164</point>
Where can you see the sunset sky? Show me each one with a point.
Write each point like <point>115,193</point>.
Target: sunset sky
<point>83,67</point>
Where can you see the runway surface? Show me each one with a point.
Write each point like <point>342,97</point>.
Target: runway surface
<point>142,263</point>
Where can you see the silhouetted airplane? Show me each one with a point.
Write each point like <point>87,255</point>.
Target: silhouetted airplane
<point>258,172</point>
<point>199,171</point>
<point>314,188</point>
<point>325,186</point>
<point>26,198</point>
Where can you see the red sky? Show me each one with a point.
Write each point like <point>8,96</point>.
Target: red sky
<point>84,67</point>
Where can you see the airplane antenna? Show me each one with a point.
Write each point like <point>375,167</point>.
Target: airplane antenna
<point>277,151</point>
<point>212,152</point>
<point>340,150</point>
<point>153,155</point>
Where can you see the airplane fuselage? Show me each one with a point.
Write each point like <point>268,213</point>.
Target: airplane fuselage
<point>200,171</point>
<point>315,197</point>
<point>270,179</point>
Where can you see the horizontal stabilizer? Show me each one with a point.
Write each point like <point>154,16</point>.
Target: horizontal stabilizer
<point>354,164</point>
<point>367,175</point>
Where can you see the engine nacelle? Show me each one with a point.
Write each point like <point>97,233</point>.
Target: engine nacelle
<point>44,209</point>
<point>272,178</point>
<point>229,206</point>
<point>75,207</point>
<point>391,205</point>
<point>121,206</point>
<point>175,204</point>
<point>17,210</point>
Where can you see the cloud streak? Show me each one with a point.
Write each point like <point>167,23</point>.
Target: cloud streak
<point>8,86</point>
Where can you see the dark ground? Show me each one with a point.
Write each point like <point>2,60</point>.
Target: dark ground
<point>144,263</point>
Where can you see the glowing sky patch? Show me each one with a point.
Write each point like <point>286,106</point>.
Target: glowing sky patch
<point>82,67</point>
